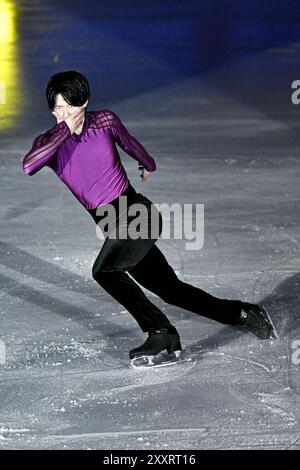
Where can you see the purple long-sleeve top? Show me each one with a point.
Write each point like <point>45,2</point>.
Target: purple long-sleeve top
<point>89,163</point>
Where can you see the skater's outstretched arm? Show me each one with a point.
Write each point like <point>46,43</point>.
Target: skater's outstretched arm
<point>45,145</point>
<point>129,143</point>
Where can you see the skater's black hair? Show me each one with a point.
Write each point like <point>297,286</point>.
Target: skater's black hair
<point>72,85</point>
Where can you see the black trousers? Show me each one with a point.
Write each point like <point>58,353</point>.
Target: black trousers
<point>145,262</point>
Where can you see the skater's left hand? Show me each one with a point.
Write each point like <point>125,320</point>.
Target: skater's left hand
<point>145,174</point>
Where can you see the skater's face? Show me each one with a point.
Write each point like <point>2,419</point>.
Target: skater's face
<point>63,108</point>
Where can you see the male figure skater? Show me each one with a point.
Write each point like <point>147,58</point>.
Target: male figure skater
<point>81,149</point>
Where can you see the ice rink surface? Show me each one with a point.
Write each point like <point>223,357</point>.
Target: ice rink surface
<point>207,90</point>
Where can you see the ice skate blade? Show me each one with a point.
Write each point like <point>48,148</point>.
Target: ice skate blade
<point>160,360</point>
<point>274,335</point>
<point>141,361</point>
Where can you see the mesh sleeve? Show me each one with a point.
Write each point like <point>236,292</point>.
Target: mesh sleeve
<point>44,147</point>
<point>128,142</point>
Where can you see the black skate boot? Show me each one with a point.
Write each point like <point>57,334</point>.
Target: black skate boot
<point>175,340</point>
<point>255,318</point>
<point>158,340</point>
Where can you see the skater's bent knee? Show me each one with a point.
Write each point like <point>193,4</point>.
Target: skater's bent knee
<point>100,273</point>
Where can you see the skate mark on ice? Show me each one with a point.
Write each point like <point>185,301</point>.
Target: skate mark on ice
<point>239,396</point>
<point>126,433</point>
<point>243,359</point>
<point>277,405</point>
<point>6,433</point>
<point>292,443</point>
<point>149,376</point>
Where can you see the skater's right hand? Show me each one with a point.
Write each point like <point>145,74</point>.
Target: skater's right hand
<point>74,120</point>
<point>145,174</point>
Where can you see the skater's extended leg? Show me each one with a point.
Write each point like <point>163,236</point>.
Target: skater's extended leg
<point>155,274</point>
